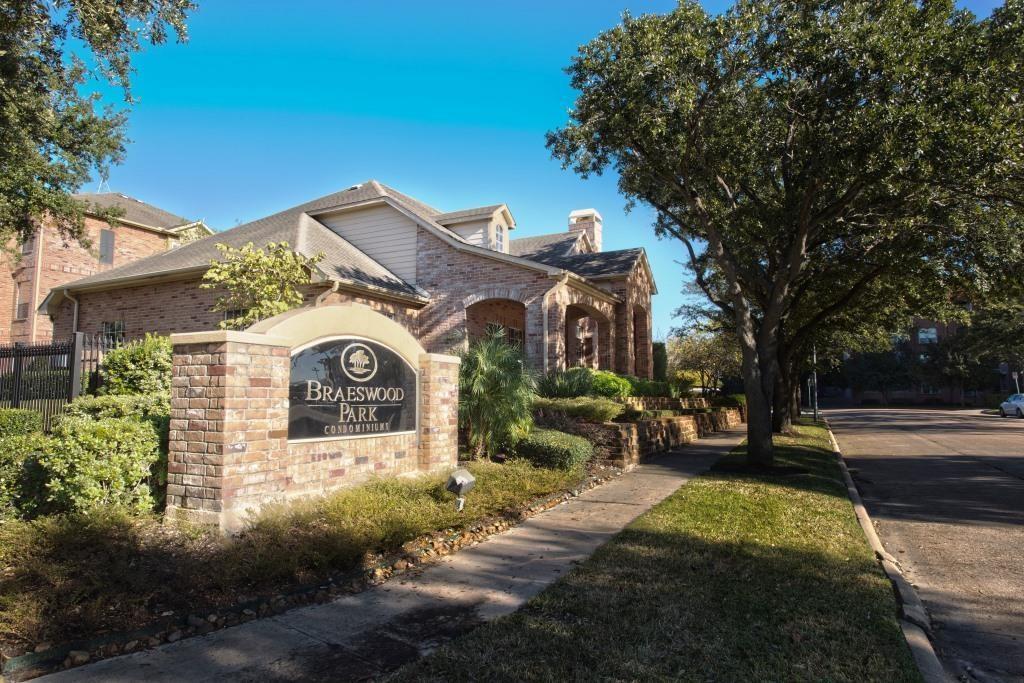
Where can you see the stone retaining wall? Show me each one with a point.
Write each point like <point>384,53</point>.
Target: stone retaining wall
<point>627,443</point>
<point>665,403</point>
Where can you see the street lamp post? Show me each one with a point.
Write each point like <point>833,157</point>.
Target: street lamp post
<point>814,379</point>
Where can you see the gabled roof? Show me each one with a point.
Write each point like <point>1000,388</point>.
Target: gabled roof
<point>603,264</point>
<point>543,247</point>
<point>134,210</point>
<point>343,261</point>
<point>478,213</point>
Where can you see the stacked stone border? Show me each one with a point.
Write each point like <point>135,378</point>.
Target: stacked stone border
<point>914,620</point>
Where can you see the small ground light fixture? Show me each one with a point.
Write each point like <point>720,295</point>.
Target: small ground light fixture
<point>460,483</point>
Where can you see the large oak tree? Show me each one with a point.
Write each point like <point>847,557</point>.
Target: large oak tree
<point>802,151</point>
<point>54,135</point>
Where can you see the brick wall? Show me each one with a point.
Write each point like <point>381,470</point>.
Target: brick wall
<point>54,261</point>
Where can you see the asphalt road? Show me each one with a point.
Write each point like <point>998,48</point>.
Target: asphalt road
<point>946,492</point>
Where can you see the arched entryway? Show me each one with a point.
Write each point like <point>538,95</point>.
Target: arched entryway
<point>489,314</point>
<point>587,338</point>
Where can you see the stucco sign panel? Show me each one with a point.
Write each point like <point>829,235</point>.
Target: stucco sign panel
<point>349,387</point>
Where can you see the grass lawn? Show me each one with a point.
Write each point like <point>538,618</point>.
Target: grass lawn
<point>735,577</point>
<point>63,578</point>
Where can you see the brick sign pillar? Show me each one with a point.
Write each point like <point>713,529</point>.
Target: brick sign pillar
<point>247,427</point>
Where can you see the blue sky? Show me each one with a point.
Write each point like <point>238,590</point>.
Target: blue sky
<point>272,103</point>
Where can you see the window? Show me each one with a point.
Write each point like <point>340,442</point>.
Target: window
<point>20,305</point>
<point>927,335</point>
<point>234,313</point>
<point>26,246</point>
<point>107,247</point>
<point>513,335</point>
<point>499,238</point>
<point>113,330</point>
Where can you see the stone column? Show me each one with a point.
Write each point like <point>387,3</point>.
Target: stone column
<point>229,425</point>
<point>439,412</point>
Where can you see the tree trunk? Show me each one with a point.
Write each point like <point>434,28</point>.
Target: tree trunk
<point>782,400</point>
<point>794,400</point>
<point>758,385</point>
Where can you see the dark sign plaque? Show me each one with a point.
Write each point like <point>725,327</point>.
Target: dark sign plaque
<point>350,387</point>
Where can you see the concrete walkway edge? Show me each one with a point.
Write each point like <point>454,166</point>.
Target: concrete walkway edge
<point>914,621</point>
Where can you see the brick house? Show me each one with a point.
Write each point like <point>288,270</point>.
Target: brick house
<point>445,276</point>
<point>51,260</point>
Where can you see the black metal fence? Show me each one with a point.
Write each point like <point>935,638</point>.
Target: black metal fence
<point>46,376</point>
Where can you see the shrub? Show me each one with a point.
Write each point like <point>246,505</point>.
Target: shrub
<point>583,407</point>
<point>566,383</point>
<point>550,448</point>
<point>99,463</point>
<point>495,394</point>
<point>153,408</point>
<point>610,385</point>
<point>730,401</point>
<point>142,366</point>
<point>646,387</point>
<point>20,478</point>
<point>19,421</point>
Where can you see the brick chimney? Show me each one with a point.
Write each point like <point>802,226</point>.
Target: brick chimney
<point>588,221</point>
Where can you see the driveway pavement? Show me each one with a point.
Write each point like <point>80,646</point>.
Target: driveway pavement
<point>946,492</point>
<point>360,637</point>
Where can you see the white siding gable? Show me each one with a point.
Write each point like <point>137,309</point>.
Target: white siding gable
<point>474,232</point>
<point>382,233</point>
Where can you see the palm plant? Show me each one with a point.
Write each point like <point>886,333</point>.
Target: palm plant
<point>496,393</point>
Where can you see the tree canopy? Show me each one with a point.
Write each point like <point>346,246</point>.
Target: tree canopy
<point>803,152</point>
<point>53,135</point>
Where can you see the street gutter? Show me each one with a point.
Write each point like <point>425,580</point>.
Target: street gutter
<point>914,620</point>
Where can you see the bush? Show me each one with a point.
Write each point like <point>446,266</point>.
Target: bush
<point>99,463</point>
<point>566,383</point>
<point>583,407</point>
<point>550,448</point>
<point>730,401</point>
<point>153,408</point>
<point>495,394</point>
<point>610,385</point>
<point>646,387</point>
<point>142,366</point>
<point>20,477</point>
<point>19,421</point>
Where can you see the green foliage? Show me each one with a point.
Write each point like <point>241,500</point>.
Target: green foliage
<point>609,384</point>
<point>583,407</point>
<point>646,387</point>
<point>711,357</point>
<point>20,478</point>
<point>102,463</point>
<point>804,152</point>
<point>660,361</point>
<point>566,383</point>
<point>142,366</point>
<point>19,421</point>
<point>54,136</point>
<point>496,391</point>
<point>730,401</point>
<point>550,448</point>
<point>258,283</point>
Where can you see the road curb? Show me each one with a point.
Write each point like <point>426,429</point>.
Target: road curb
<point>914,621</point>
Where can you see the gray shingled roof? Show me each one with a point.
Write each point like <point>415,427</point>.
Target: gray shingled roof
<point>132,209</point>
<point>600,264</point>
<point>467,214</point>
<point>299,227</point>
<point>541,247</point>
<point>305,234</point>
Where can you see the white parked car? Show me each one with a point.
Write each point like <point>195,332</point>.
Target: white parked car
<point>1012,406</point>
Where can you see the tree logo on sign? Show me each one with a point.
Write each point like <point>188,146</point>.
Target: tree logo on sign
<point>359,362</point>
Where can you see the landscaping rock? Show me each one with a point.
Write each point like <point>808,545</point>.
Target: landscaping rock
<point>78,657</point>
<point>42,647</point>
<point>174,636</point>
<point>131,646</point>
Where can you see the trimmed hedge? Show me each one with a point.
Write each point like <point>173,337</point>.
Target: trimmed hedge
<point>610,385</point>
<point>730,401</point>
<point>21,479</point>
<point>142,366</point>
<point>646,387</point>
<point>19,421</point>
<point>554,449</point>
<point>583,407</point>
<point>99,463</point>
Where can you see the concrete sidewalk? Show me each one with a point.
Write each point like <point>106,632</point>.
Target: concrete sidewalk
<point>370,633</point>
